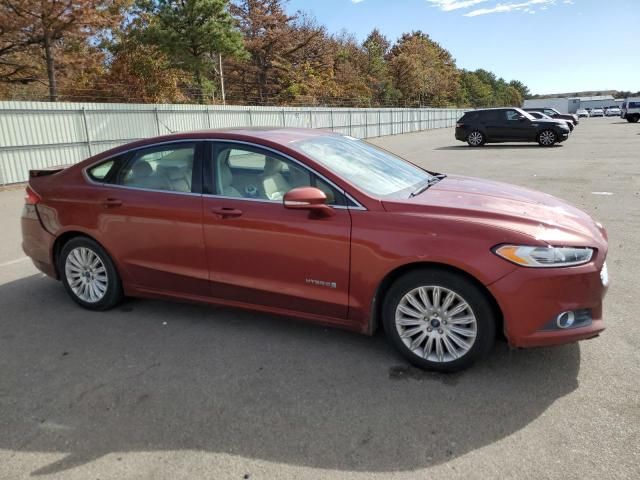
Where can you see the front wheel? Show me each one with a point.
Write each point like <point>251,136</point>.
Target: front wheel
<point>89,275</point>
<point>438,320</point>
<point>547,138</point>
<point>476,139</point>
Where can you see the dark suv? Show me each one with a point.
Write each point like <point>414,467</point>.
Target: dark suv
<point>478,127</point>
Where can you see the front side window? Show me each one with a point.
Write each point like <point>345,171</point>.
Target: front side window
<point>250,172</point>
<point>512,115</point>
<point>370,169</point>
<point>168,168</point>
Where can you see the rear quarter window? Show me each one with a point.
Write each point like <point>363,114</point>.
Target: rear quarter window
<point>100,172</point>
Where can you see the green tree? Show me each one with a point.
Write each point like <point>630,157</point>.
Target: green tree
<point>423,71</point>
<point>194,34</point>
<point>473,91</point>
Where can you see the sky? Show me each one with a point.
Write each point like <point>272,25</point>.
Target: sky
<point>553,46</point>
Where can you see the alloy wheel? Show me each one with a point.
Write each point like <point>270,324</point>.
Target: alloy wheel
<point>475,139</point>
<point>547,137</point>
<point>436,323</point>
<point>86,274</point>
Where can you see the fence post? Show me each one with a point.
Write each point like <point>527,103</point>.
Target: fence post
<point>155,111</point>
<point>310,119</point>
<point>366,124</point>
<point>86,131</point>
<point>379,122</point>
<point>331,113</point>
<point>250,117</point>
<point>284,118</point>
<point>206,112</point>
<point>350,125</point>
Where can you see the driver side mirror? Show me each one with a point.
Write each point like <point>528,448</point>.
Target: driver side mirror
<point>308,198</point>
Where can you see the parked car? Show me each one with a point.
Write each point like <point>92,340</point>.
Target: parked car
<point>540,115</point>
<point>631,109</point>
<point>324,227</point>
<point>582,112</point>
<point>612,112</point>
<point>596,112</point>
<point>494,125</point>
<point>555,114</point>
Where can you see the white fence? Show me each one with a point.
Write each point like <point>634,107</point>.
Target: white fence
<point>39,134</point>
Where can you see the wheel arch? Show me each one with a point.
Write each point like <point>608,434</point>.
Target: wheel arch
<point>398,272</point>
<point>64,238</point>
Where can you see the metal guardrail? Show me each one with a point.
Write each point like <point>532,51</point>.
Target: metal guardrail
<point>40,134</point>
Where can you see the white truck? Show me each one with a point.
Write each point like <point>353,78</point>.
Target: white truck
<point>630,109</point>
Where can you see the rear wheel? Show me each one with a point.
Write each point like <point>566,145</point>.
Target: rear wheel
<point>89,275</point>
<point>547,138</point>
<point>438,320</point>
<point>633,118</point>
<point>476,139</point>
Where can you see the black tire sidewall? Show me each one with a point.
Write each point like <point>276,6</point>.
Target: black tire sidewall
<point>114,286</point>
<point>477,300</point>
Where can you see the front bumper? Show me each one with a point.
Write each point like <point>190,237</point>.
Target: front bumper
<point>531,298</point>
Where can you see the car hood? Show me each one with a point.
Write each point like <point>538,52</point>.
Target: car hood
<point>539,215</point>
<point>551,121</point>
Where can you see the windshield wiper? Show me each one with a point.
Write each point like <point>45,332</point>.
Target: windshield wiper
<point>432,181</point>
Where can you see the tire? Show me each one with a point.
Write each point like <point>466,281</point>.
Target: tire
<point>89,275</point>
<point>633,118</point>
<point>547,138</point>
<point>476,139</point>
<point>470,342</point>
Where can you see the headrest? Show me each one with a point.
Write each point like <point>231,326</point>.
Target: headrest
<point>174,173</point>
<point>226,177</point>
<point>272,166</point>
<point>142,169</point>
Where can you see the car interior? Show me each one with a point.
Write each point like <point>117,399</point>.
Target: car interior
<point>247,174</point>
<point>164,170</point>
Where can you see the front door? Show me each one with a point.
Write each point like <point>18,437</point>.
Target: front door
<point>260,253</point>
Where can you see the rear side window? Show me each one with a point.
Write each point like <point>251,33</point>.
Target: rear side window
<point>100,172</point>
<point>634,105</point>
<point>169,168</point>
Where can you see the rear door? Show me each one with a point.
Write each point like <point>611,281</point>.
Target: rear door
<point>150,218</point>
<point>260,253</point>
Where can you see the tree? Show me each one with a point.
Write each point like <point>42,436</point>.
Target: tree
<point>473,91</point>
<point>194,34</point>
<point>423,71</point>
<point>31,25</point>
<point>379,81</point>
<point>277,43</point>
<point>521,87</point>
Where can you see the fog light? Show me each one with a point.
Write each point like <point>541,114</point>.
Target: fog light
<point>565,319</point>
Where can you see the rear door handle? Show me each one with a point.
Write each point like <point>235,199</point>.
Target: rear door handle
<point>226,212</point>
<point>111,202</point>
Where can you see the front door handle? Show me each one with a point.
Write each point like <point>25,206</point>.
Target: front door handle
<point>111,202</point>
<point>226,212</point>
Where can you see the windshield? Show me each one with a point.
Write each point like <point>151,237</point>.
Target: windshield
<point>370,169</point>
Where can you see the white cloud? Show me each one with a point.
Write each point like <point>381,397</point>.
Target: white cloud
<point>509,7</point>
<point>357,1</point>
<point>449,5</point>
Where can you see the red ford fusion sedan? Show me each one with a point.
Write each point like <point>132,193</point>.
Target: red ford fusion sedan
<point>324,227</point>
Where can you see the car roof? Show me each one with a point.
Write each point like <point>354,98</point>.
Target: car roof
<point>264,135</point>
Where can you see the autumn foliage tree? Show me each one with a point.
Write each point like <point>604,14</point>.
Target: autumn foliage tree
<point>184,50</point>
<point>49,27</point>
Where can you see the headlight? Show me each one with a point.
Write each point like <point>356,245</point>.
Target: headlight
<point>544,257</point>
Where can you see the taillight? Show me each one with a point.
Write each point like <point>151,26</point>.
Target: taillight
<point>459,125</point>
<point>31,197</point>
